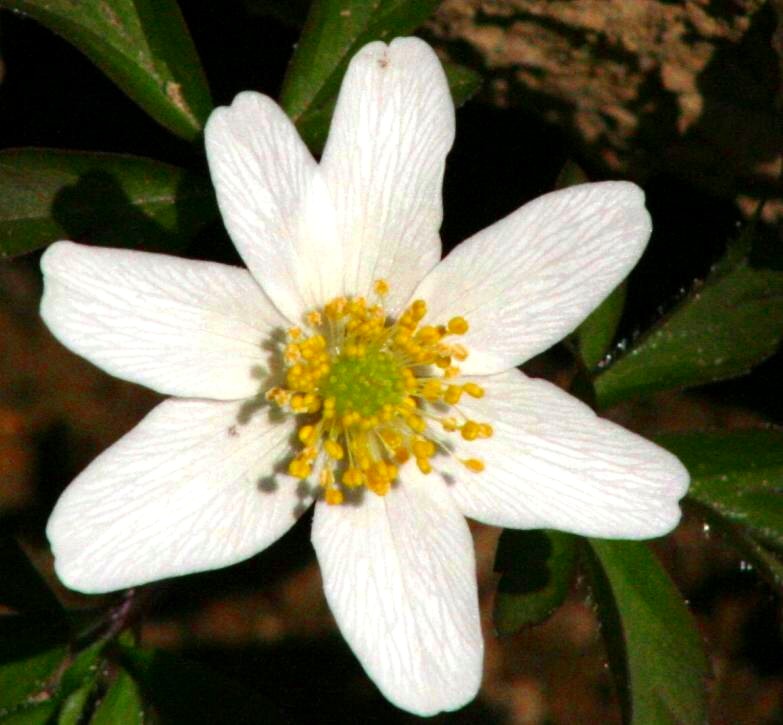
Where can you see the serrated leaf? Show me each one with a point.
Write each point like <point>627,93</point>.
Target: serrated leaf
<point>185,691</point>
<point>99,198</point>
<point>333,32</point>
<point>655,651</point>
<point>738,475</point>
<point>31,650</point>
<point>722,329</point>
<point>121,705</point>
<point>142,45</point>
<point>537,568</point>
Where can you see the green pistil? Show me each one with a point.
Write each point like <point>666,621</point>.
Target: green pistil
<point>364,384</point>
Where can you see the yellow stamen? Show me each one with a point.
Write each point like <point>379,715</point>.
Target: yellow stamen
<point>458,326</point>
<point>473,464</point>
<point>373,394</point>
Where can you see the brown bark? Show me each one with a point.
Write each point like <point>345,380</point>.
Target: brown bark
<point>689,88</point>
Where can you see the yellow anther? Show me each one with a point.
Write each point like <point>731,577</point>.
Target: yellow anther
<point>326,478</point>
<point>298,404</point>
<point>353,477</point>
<point>485,430</point>
<point>419,309</point>
<point>453,394</point>
<point>381,287</point>
<point>279,396</point>
<point>424,465</point>
<point>333,496</point>
<point>470,430</point>
<point>314,318</point>
<point>449,424</point>
<point>460,352</point>
<point>416,423</point>
<point>473,390</point>
<point>443,362</point>
<point>473,464</point>
<point>299,468</point>
<point>458,326</point>
<point>391,438</point>
<point>428,335</point>
<point>294,333</point>
<point>431,389</point>
<point>335,308</point>
<point>423,448</point>
<point>451,372</point>
<point>306,433</point>
<point>401,455</point>
<point>292,353</point>
<point>334,450</point>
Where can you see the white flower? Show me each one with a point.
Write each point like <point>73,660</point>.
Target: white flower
<point>204,480</point>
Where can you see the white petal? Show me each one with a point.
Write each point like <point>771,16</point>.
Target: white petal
<point>399,576</point>
<point>552,463</point>
<point>274,202</point>
<point>531,278</point>
<point>383,162</point>
<point>193,487</point>
<point>178,326</point>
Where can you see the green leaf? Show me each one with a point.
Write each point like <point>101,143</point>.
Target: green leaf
<point>83,669</point>
<point>183,691</point>
<point>290,12</point>
<point>655,650</point>
<point>39,713</point>
<point>142,45</point>
<point>463,82</point>
<point>767,563</point>
<point>333,32</point>
<point>595,334</point>
<point>21,586</point>
<point>570,175</point>
<point>537,568</point>
<point>78,683</point>
<point>100,198</point>
<point>748,457</point>
<point>31,650</point>
<point>726,326</point>
<point>122,704</point>
<point>72,709</point>
<point>738,475</point>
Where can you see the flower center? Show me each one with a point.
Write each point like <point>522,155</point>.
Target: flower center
<point>372,393</point>
<point>364,381</point>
